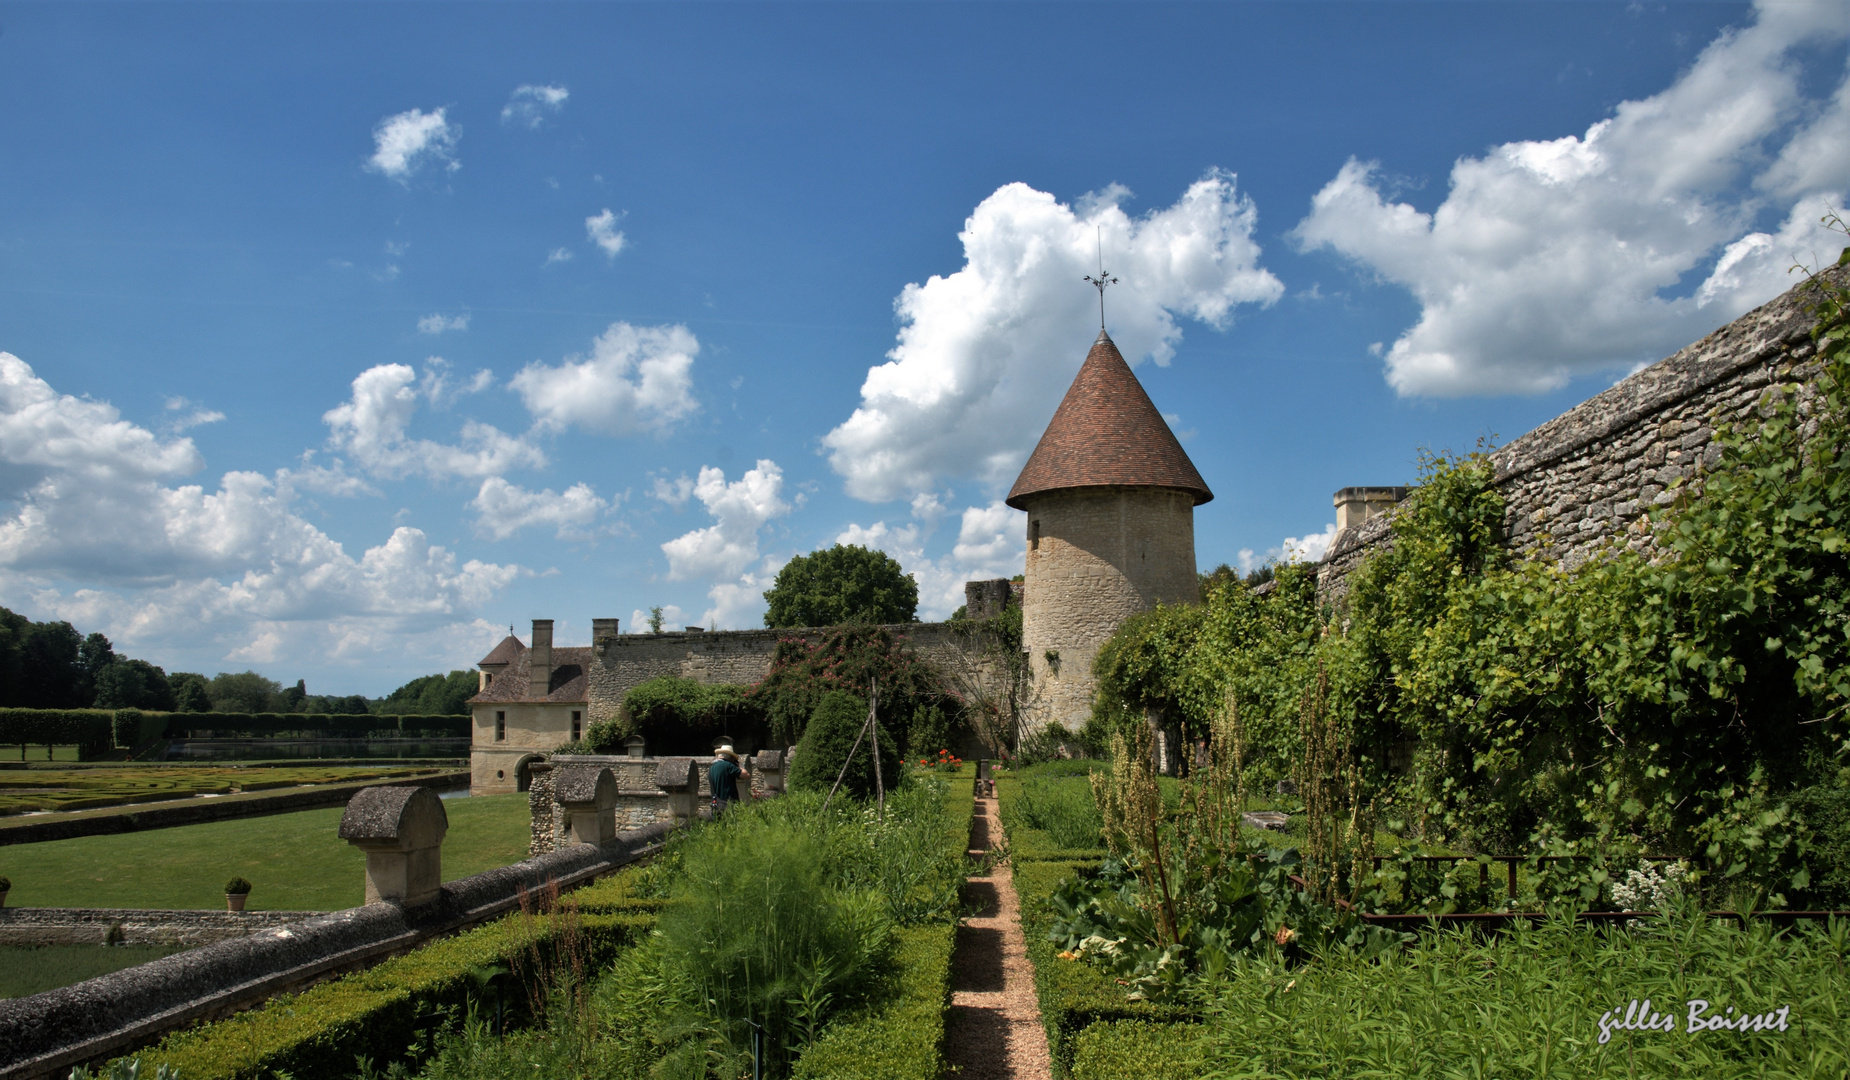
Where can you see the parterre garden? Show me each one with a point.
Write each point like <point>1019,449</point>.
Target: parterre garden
<point>295,861</point>
<point>50,790</point>
<point>814,933</point>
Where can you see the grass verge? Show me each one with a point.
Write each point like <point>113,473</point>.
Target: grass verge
<point>296,861</point>
<point>25,971</point>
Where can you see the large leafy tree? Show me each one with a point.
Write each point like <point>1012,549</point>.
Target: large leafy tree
<point>842,584</point>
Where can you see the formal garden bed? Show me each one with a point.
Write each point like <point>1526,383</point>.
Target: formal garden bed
<point>822,933</point>
<point>296,861</point>
<point>26,791</point>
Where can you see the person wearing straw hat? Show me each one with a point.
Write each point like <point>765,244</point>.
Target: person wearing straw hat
<point>723,778</point>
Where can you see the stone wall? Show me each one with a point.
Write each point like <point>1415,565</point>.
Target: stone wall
<point>640,801</point>
<point>1601,473</point>
<point>740,657</point>
<point>47,1034</point>
<point>1097,556</point>
<point>135,926</point>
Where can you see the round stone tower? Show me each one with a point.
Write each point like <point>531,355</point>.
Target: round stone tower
<point>1110,498</point>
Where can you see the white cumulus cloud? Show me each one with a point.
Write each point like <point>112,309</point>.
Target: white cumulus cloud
<point>97,533</point>
<point>602,229</point>
<point>1552,258</point>
<point>438,323</point>
<point>636,380</point>
<point>739,510</point>
<point>503,509</point>
<point>985,352</point>
<point>372,427</point>
<point>529,106</point>
<point>404,142</point>
<point>991,543</point>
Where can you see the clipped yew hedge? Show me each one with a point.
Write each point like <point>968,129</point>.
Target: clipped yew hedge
<point>91,730</point>
<point>96,730</point>
<point>1115,1049</point>
<point>902,1039</point>
<point>321,1033</point>
<point>1074,995</point>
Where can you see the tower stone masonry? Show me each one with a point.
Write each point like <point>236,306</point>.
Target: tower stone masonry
<point>1110,497</point>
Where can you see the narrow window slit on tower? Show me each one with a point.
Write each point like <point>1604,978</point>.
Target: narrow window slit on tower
<point>1034,536</point>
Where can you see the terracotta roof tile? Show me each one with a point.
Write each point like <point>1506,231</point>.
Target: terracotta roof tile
<point>504,653</point>
<point>569,683</point>
<point>1107,433</point>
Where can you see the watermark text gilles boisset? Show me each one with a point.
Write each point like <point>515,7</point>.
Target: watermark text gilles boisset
<point>1640,1016</point>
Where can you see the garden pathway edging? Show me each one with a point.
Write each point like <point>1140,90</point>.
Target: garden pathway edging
<point>993,1030</point>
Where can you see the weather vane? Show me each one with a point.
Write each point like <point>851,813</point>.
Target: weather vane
<point>1103,279</point>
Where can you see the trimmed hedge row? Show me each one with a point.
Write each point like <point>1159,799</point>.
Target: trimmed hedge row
<point>95,730</point>
<point>1115,1049</point>
<point>89,729</point>
<point>904,1038</point>
<point>318,1034</point>
<point>1073,995</point>
<point>1033,845</point>
<point>260,725</point>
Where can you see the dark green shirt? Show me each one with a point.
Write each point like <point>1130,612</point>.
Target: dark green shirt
<point>723,780</point>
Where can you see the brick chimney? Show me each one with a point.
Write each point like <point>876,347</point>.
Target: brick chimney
<point>540,660</point>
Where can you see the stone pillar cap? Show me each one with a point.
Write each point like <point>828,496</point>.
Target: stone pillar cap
<point>406,817</point>
<point>585,784</point>
<point>676,772</point>
<point>768,759</point>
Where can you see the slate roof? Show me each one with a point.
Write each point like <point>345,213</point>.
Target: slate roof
<point>1107,433</point>
<point>569,683</point>
<point>505,653</point>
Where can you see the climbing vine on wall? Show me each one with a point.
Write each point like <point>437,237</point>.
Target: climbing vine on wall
<point>1688,698</point>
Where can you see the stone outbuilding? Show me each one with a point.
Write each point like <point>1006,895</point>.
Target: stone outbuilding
<point>530,700</point>
<point>1110,497</point>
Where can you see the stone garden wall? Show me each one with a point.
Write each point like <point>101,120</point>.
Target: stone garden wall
<point>46,1034</point>
<point>1601,473</point>
<point>743,657</point>
<point>135,926</point>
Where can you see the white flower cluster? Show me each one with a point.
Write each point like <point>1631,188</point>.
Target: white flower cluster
<point>1651,886</point>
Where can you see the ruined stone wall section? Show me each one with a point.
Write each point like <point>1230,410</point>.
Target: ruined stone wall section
<point>740,657</point>
<point>1097,556</point>
<point>1602,473</point>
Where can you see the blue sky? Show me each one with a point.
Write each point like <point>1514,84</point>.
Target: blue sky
<point>335,338</point>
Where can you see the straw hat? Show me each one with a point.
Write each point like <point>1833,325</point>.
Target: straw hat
<point>727,753</point>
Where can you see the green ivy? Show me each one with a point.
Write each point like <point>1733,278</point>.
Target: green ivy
<point>1682,692</point>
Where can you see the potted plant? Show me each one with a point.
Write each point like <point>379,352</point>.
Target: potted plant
<point>5,885</point>
<point>237,891</point>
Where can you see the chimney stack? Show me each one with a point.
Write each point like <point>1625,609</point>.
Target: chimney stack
<point>540,660</point>
<point>602,630</point>
<point>1355,505</point>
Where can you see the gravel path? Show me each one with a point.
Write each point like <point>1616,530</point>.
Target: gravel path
<point>994,1028</point>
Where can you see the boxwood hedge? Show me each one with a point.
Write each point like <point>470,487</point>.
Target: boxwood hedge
<point>1073,995</point>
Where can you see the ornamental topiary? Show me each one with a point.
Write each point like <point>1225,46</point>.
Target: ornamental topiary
<point>829,737</point>
<point>237,886</point>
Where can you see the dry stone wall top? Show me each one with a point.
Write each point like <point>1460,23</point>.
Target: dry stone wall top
<point>1603,472</point>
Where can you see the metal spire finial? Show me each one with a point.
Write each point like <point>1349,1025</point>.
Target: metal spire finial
<point>1103,279</point>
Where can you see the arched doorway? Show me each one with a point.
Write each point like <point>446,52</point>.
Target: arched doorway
<point>523,773</point>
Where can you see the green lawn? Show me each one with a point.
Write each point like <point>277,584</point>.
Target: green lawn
<point>24,972</point>
<point>295,861</point>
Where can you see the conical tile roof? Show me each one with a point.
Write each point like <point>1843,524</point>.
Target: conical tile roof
<point>508,651</point>
<point>1107,433</point>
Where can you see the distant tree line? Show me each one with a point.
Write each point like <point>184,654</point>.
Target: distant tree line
<point>50,665</point>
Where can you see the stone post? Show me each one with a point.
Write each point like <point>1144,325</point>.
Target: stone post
<point>401,830</point>
<point>768,772</point>
<point>589,795</point>
<point>680,778</point>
